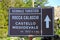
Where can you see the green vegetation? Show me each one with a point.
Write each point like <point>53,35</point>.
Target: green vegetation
<point>57,27</point>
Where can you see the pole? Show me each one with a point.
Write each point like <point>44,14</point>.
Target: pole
<point>30,37</point>
<point>32,3</point>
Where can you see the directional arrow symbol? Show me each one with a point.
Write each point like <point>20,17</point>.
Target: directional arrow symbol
<point>47,20</point>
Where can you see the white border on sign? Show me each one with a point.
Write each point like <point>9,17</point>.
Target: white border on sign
<point>52,22</point>
<point>9,23</point>
<point>41,24</point>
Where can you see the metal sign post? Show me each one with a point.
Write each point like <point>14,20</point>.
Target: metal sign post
<point>30,38</point>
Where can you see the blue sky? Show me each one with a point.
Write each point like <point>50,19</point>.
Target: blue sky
<point>53,3</point>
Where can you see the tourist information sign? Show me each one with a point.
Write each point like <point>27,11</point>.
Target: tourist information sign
<point>31,21</point>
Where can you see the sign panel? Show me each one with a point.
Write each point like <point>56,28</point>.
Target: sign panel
<point>48,22</point>
<point>31,21</point>
<point>24,22</point>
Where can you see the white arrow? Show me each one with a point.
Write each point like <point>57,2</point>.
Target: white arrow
<point>47,20</point>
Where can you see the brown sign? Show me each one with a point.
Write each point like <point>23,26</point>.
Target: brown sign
<point>48,22</point>
<point>24,22</point>
<point>31,21</point>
